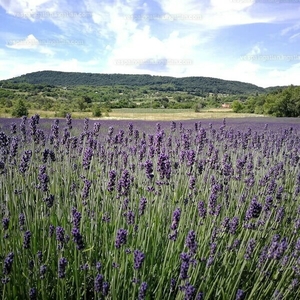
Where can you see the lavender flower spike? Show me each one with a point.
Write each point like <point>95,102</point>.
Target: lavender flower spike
<point>139,257</point>
<point>121,238</point>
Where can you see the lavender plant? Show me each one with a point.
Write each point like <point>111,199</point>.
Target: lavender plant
<point>150,211</point>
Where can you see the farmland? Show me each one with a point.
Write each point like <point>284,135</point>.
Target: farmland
<point>130,209</point>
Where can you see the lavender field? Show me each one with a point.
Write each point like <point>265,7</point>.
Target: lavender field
<point>146,210</point>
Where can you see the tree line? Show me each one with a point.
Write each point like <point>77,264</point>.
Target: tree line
<point>282,102</point>
<point>196,84</point>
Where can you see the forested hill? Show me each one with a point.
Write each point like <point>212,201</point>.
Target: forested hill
<point>188,84</point>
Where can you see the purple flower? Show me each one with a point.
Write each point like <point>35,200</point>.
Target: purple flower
<point>62,267</point>
<point>77,238</point>
<point>49,200</point>
<point>40,256</point>
<point>33,294</point>
<point>190,242</point>
<point>130,217</point>
<point>76,217</point>
<point>185,263</point>
<point>294,284</point>
<point>105,288</point>
<point>43,179</point>
<point>212,201</point>
<point>112,180</point>
<point>225,224</point>
<point>142,291</point>
<point>69,120</point>
<point>200,296</point>
<point>249,249</point>
<point>98,283</point>
<point>5,223</point>
<point>176,218</point>
<point>60,234</point>
<point>86,189</point>
<point>43,270</point>
<point>87,158</point>
<point>97,127</point>
<point>55,129</point>
<point>13,147</point>
<point>277,248</point>
<point>142,205</point>
<point>86,124</point>
<point>164,166</point>
<point>13,128</point>
<point>262,257</point>
<point>8,262</point>
<point>125,204</point>
<point>23,166</point>
<point>149,169</point>
<point>192,182</point>
<point>51,230</point>
<point>240,295</point>
<point>184,270</point>
<point>23,128</point>
<point>121,238</point>
<point>172,285</point>
<point>233,225</point>
<point>253,210</point>
<point>31,265</point>
<point>189,292</point>
<point>190,157</point>
<point>173,236</point>
<point>201,209</point>
<point>26,241</point>
<point>124,183</point>
<point>280,214</point>
<point>139,257</point>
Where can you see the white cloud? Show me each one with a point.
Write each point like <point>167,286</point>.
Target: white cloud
<point>231,5</point>
<point>294,37</point>
<point>175,7</point>
<point>284,77</point>
<point>255,50</point>
<point>21,8</point>
<point>290,28</point>
<point>30,42</point>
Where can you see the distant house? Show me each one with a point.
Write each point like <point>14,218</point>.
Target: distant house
<point>225,105</point>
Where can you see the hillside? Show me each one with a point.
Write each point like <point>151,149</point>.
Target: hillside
<point>196,85</point>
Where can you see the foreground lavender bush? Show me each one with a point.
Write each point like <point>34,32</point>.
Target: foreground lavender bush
<point>169,211</point>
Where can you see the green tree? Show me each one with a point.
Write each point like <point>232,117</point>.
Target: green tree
<point>237,106</point>
<point>96,111</point>
<point>81,104</point>
<point>20,109</point>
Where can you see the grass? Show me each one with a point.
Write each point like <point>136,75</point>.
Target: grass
<point>149,114</point>
<point>175,114</point>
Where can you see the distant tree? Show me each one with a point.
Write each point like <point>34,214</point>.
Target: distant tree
<point>8,103</point>
<point>20,109</point>
<point>81,104</point>
<point>97,111</point>
<point>87,99</point>
<point>237,106</point>
<point>198,107</point>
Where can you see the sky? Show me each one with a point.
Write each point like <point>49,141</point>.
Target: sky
<point>245,40</point>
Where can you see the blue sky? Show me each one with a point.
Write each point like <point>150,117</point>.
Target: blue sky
<point>246,40</point>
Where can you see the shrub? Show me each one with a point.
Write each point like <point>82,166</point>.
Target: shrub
<point>20,109</point>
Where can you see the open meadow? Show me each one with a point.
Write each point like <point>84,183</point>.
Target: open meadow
<point>158,114</point>
<point>131,209</point>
